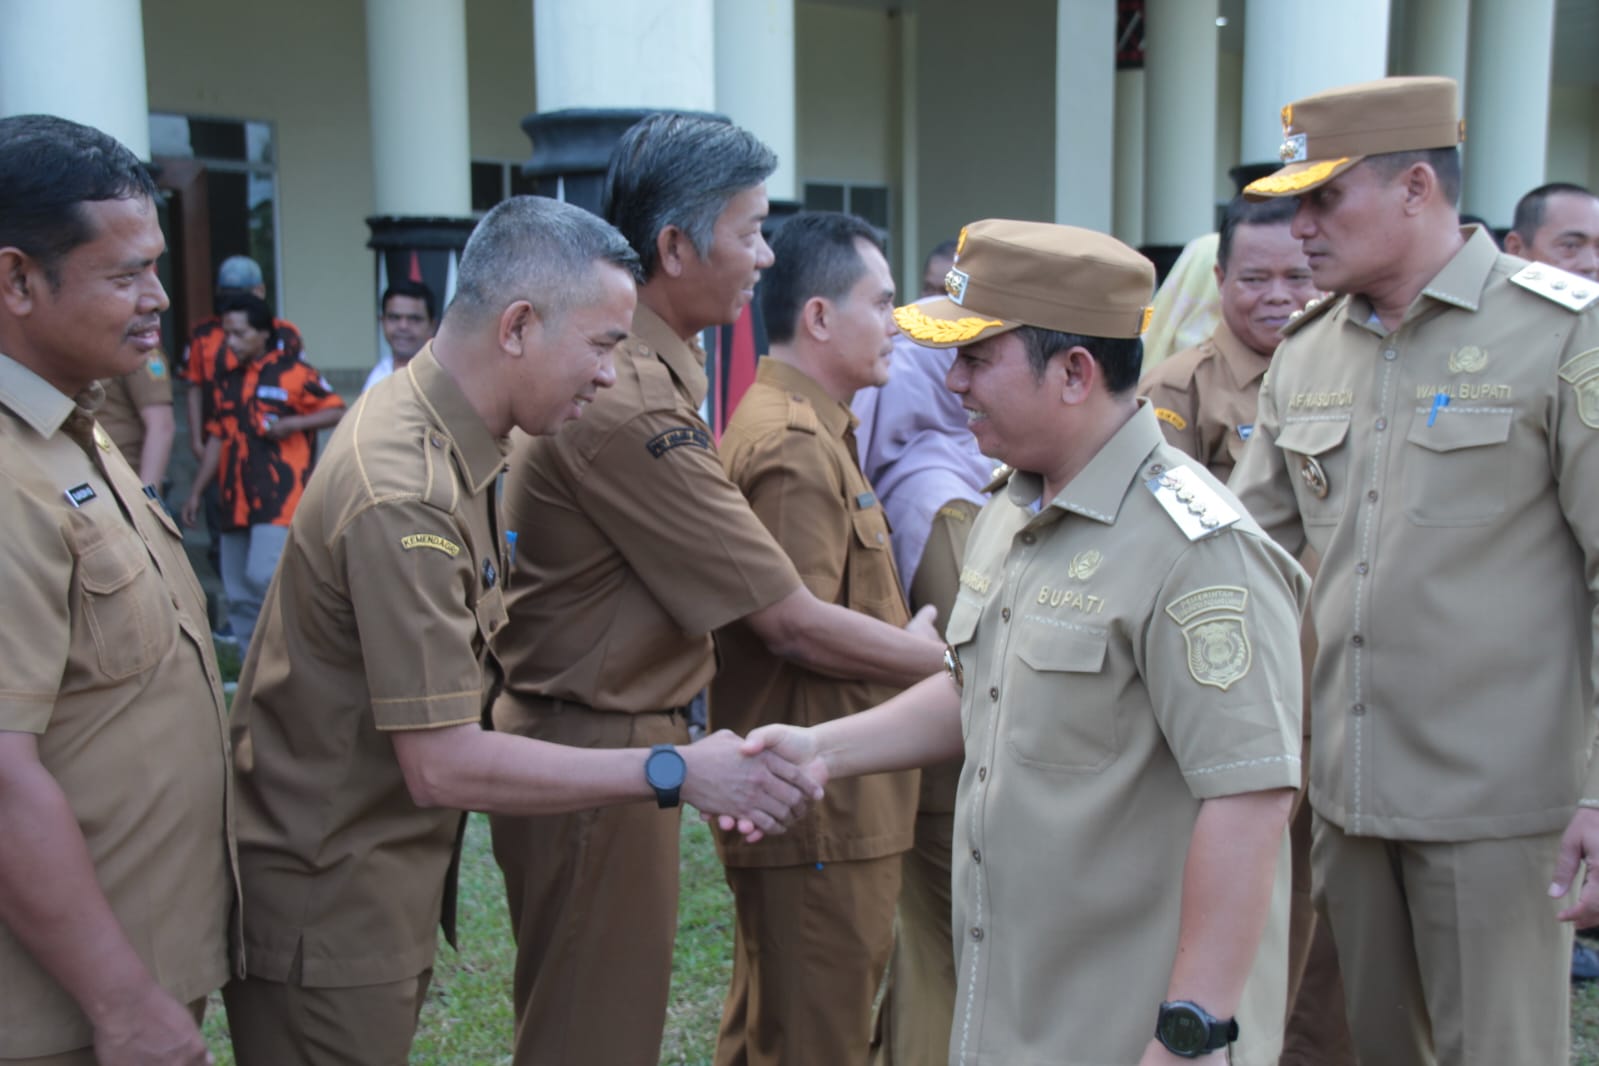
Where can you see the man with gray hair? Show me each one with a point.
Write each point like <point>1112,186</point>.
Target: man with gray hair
<point>354,765</point>
<point>636,547</point>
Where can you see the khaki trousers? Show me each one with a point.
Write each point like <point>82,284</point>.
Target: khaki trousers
<point>276,1023</point>
<point>809,950</point>
<point>1450,951</point>
<point>593,902</point>
<point>84,1056</point>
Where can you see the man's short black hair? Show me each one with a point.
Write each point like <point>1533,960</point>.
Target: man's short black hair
<point>941,250</point>
<point>49,168</point>
<point>257,312</point>
<point>815,255</point>
<point>1445,163</point>
<point>414,289</point>
<point>679,170</point>
<point>1278,211</point>
<point>1120,358</point>
<point>1531,207</point>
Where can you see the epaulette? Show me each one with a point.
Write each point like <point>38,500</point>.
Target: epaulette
<point>801,415</point>
<point>656,387</point>
<point>1571,291</point>
<point>1198,509</point>
<point>1315,307</point>
<point>999,477</point>
<point>439,491</point>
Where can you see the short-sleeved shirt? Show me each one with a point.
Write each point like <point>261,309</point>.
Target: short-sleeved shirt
<point>107,660</point>
<point>261,479</point>
<point>633,545</point>
<point>125,397</point>
<point>1446,473</point>
<point>1204,398</point>
<point>207,342</point>
<point>388,591</point>
<point>1117,674</point>
<point>791,448</point>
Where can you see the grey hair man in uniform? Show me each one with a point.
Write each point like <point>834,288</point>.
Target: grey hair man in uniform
<point>1434,435</point>
<point>1124,680</point>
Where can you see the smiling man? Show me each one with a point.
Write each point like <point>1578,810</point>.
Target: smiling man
<point>634,548</point>
<point>408,319</point>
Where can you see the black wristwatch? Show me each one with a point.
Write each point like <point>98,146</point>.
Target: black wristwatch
<point>664,770</point>
<point>1187,1029</point>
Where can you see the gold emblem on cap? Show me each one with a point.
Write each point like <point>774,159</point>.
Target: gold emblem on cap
<point>955,284</point>
<point>918,326</point>
<point>960,243</point>
<point>1314,477</point>
<point>1467,360</point>
<point>1288,117</point>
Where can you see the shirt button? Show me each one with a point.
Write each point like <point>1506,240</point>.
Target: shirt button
<point>879,538</point>
<point>1358,710</point>
<point>1004,614</point>
<point>1382,424</point>
<point>1028,538</point>
<point>1357,640</point>
<point>1372,495</point>
<point>977,856</point>
<point>438,440</point>
<point>993,693</point>
<point>982,773</point>
<point>977,932</point>
<point>1390,355</point>
<point>1362,568</point>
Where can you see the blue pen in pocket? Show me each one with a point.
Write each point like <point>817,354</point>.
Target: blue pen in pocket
<point>1439,401</point>
<point>510,547</point>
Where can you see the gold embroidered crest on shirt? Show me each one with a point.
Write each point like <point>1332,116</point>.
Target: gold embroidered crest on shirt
<point>102,438</point>
<point>1084,564</point>
<point>1582,374</point>
<point>1467,360</point>
<point>430,540</point>
<point>1212,619</point>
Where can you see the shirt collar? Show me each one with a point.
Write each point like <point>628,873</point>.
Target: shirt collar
<point>480,454</point>
<point>1458,284</point>
<point>1244,363</point>
<point>834,416</point>
<point>685,359</point>
<point>1100,487</point>
<point>33,399</point>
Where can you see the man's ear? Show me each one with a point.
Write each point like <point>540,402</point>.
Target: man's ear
<point>1079,370</point>
<point>816,318</point>
<point>1514,246</point>
<point>672,249</point>
<point>517,324</point>
<point>1420,185</point>
<point>19,280</point>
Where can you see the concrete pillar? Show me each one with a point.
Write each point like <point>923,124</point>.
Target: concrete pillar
<point>911,249</point>
<point>624,53</point>
<point>416,74</point>
<point>755,80</point>
<point>1294,49</point>
<point>1180,120</point>
<point>1437,39</point>
<point>1128,219</point>
<point>1085,114</point>
<point>79,59</point>
<point>1507,107</point>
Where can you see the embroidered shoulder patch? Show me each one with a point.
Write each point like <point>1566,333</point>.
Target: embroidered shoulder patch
<point>430,540</point>
<point>157,367</point>
<point>1171,418</point>
<point>1212,620</point>
<point>1582,374</point>
<point>677,437</point>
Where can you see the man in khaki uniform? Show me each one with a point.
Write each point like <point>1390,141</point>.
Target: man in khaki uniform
<point>117,880</point>
<point>137,414</point>
<point>358,712</point>
<point>634,548</point>
<point>804,992</point>
<point>1434,436</point>
<point>1558,224</point>
<point>1126,681</point>
<point>1205,399</point>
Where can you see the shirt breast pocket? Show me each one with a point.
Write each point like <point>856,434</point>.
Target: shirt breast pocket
<point>959,631</point>
<point>1056,717</point>
<point>124,605</point>
<point>1318,462</point>
<point>873,587</point>
<point>1459,472</point>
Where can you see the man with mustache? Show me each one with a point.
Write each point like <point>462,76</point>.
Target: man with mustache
<point>634,548</point>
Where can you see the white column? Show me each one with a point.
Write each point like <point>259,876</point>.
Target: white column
<point>910,184</point>
<point>79,59</point>
<point>1085,114</point>
<point>416,75</point>
<point>1128,220</point>
<point>755,79</point>
<point>1180,119</point>
<point>624,53</point>
<point>1294,49</point>
<point>1436,42</point>
<point>1507,106</point>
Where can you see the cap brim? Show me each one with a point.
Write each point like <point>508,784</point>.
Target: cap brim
<point>939,322</point>
<point>1298,178</point>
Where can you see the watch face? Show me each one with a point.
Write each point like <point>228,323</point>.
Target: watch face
<point>1183,1030</point>
<point>664,769</point>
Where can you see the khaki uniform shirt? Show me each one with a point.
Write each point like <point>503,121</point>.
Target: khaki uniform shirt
<point>1446,473</point>
<point>1117,674</point>
<point>791,448</point>
<point>1205,399</point>
<point>125,397</point>
<point>388,591</point>
<point>107,659</point>
<point>634,546</point>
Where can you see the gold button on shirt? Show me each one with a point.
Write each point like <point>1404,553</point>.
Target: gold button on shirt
<point>379,619</point>
<point>1205,398</point>
<point>789,447</point>
<point>107,660</point>
<point>1137,674</point>
<point>1445,473</point>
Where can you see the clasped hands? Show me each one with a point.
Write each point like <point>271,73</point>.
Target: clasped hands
<point>756,786</point>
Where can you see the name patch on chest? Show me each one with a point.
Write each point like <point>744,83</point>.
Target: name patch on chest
<point>430,540</point>
<point>677,437</point>
<point>79,495</point>
<point>1082,601</point>
<point>975,580</point>
<point>1320,399</point>
<point>1464,391</point>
